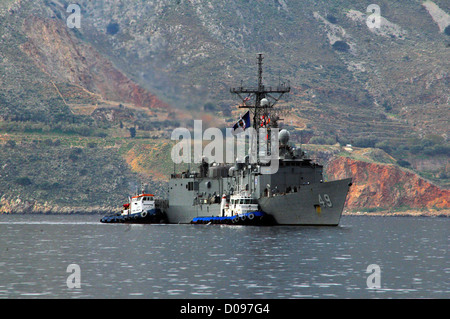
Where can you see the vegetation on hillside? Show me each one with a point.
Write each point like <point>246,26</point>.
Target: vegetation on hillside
<point>61,133</point>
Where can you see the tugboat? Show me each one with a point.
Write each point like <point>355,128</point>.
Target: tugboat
<point>141,209</point>
<point>240,209</point>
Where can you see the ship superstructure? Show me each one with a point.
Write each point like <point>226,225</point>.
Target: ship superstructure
<point>294,194</point>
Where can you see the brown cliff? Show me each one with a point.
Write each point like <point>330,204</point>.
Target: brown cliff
<point>386,186</point>
<point>57,52</point>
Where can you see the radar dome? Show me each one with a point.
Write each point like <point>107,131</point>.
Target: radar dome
<point>264,102</point>
<point>283,137</point>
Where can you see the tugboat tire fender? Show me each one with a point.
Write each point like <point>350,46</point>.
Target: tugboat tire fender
<point>143,214</point>
<point>251,216</point>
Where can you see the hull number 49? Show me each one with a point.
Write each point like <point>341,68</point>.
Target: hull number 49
<point>325,201</point>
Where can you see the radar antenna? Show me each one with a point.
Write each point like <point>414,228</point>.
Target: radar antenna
<point>261,99</point>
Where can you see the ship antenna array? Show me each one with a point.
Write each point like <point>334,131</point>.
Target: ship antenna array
<point>255,95</point>
<point>261,101</point>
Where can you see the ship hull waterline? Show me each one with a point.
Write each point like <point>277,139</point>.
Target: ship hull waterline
<point>319,204</point>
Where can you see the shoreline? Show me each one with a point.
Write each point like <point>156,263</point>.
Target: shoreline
<point>407,213</point>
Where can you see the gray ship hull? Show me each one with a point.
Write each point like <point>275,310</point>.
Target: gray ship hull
<point>315,204</point>
<point>178,214</point>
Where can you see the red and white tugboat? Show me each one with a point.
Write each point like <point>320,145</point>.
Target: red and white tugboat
<point>141,209</point>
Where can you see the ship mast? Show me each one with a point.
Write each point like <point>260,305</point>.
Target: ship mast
<point>256,95</point>
<point>260,101</point>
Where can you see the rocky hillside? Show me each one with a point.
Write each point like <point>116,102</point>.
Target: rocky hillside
<point>379,183</point>
<point>51,172</point>
<point>390,83</point>
<point>386,187</point>
<point>386,87</point>
<point>85,108</point>
<point>394,78</point>
<point>57,52</point>
<point>49,73</point>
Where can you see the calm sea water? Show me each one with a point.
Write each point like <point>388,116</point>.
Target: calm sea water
<point>199,261</point>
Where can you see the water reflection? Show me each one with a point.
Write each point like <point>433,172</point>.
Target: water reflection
<point>198,261</point>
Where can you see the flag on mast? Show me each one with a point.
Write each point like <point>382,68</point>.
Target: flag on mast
<point>242,124</point>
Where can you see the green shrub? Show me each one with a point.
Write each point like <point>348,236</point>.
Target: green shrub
<point>49,186</point>
<point>322,140</point>
<point>11,143</point>
<point>77,150</point>
<point>385,146</point>
<point>132,132</point>
<point>437,150</point>
<point>24,181</point>
<point>404,163</point>
<point>331,18</point>
<point>209,107</point>
<point>365,142</point>
<point>341,46</point>
<point>447,30</point>
<point>112,28</point>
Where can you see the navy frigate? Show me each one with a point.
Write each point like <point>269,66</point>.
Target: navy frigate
<point>296,194</point>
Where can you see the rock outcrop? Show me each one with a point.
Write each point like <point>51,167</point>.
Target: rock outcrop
<point>387,186</point>
<point>22,206</point>
<point>57,52</point>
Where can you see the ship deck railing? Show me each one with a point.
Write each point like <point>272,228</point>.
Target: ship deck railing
<point>185,175</point>
<point>268,89</point>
